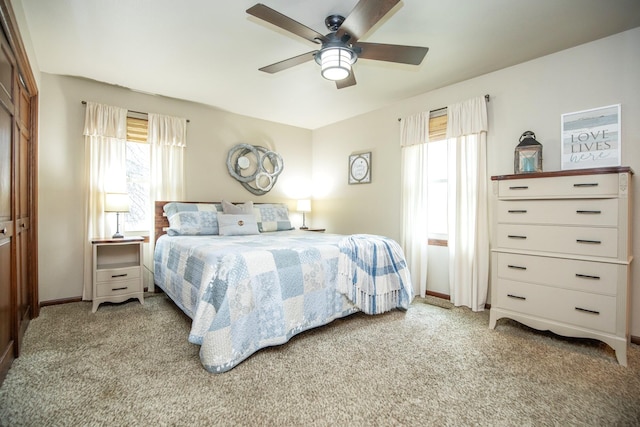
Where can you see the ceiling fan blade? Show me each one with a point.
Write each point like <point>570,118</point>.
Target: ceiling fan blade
<point>288,63</point>
<point>349,81</point>
<point>279,20</point>
<point>364,16</point>
<point>392,53</point>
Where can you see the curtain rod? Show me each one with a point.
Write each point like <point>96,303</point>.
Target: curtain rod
<point>136,112</point>
<point>486,97</point>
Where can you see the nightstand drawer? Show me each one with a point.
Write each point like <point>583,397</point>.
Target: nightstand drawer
<point>117,274</point>
<point>589,241</point>
<point>118,288</point>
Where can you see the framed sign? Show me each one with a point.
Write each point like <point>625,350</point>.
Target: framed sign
<point>360,168</point>
<point>591,138</point>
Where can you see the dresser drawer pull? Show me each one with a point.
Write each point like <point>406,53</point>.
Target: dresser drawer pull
<point>586,310</point>
<point>587,276</point>
<point>119,289</point>
<point>119,275</point>
<point>589,212</point>
<point>517,267</point>
<point>519,187</point>
<point>517,211</point>
<point>4,230</point>
<point>590,242</point>
<point>590,184</point>
<point>518,297</point>
<point>515,236</point>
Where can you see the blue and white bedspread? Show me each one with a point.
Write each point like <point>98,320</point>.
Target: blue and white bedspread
<point>245,293</point>
<point>373,273</point>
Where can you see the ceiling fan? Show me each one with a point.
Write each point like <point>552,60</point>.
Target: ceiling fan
<point>340,49</point>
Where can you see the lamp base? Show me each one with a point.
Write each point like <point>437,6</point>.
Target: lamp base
<point>117,235</point>
<point>304,228</point>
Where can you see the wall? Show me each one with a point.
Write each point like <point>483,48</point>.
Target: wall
<point>529,96</point>
<point>210,135</point>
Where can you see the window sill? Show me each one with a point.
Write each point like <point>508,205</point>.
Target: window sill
<point>438,242</point>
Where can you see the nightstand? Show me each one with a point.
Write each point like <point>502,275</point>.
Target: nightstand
<point>317,230</point>
<point>117,270</point>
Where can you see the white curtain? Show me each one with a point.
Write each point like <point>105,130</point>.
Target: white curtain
<point>105,132</point>
<point>414,133</point>
<point>468,206</point>
<point>168,139</point>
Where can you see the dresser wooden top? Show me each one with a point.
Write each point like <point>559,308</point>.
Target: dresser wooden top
<point>573,172</point>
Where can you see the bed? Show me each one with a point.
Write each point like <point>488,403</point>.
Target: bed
<point>247,288</point>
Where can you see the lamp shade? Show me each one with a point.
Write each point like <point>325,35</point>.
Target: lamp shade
<point>304,205</point>
<point>335,63</point>
<point>116,202</point>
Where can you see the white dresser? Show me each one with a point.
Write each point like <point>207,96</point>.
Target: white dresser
<point>562,251</point>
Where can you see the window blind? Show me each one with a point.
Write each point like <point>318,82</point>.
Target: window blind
<point>438,124</point>
<point>137,129</point>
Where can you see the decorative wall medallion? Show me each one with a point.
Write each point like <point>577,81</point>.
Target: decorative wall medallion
<point>255,167</point>
<point>360,168</point>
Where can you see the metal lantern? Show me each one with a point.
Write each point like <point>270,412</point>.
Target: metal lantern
<point>528,154</point>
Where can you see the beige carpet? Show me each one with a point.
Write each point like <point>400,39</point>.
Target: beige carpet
<point>130,364</point>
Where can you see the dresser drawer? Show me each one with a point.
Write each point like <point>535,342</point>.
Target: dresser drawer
<point>603,185</point>
<point>590,212</point>
<point>562,305</point>
<point>587,276</point>
<point>118,288</point>
<point>587,241</point>
<point>117,274</point>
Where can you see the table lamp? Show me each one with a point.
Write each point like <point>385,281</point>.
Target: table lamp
<point>304,206</point>
<point>118,203</point>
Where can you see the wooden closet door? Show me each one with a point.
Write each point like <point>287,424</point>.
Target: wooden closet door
<point>18,190</point>
<point>7,249</point>
<point>23,224</point>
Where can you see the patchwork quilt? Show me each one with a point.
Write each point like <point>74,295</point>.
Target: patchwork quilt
<point>245,293</point>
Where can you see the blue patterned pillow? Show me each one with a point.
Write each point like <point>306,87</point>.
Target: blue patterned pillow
<point>237,225</point>
<point>272,217</point>
<point>192,219</point>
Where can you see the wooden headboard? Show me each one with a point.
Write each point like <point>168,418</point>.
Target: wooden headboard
<point>161,222</point>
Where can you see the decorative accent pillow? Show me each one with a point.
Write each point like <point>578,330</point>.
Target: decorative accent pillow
<point>237,225</point>
<point>192,219</point>
<point>241,208</point>
<point>272,217</point>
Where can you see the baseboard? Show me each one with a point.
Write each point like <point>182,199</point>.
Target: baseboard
<point>439,295</point>
<point>487,306</point>
<point>67,300</point>
<point>60,301</point>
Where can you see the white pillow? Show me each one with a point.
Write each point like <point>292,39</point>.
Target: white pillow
<point>241,208</point>
<point>237,225</point>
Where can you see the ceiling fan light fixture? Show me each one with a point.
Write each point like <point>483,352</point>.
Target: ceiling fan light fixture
<point>336,63</point>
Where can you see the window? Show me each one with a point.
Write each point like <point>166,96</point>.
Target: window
<point>138,161</point>
<point>437,165</point>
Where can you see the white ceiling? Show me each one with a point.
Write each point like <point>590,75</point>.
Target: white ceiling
<point>209,51</point>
